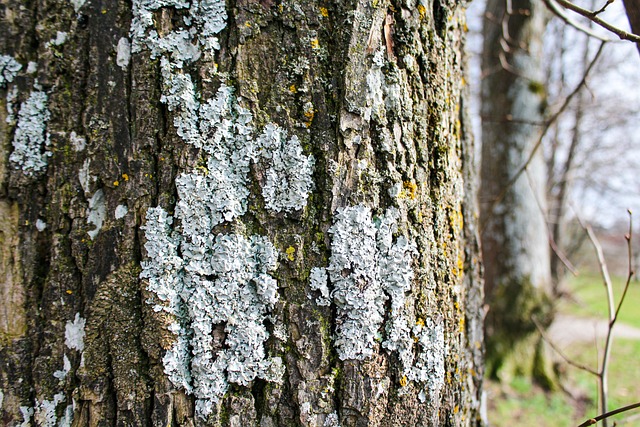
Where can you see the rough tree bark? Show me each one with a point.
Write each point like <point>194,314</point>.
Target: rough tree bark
<point>321,264</point>
<point>514,232</point>
<point>632,8</point>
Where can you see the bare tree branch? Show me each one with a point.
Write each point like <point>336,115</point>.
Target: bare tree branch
<point>553,6</point>
<point>548,125</point>
<point>555,348</point>
<point>592,16</point>
<point>592,421</point>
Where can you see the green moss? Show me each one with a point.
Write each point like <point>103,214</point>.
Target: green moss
<point>537,87</point>
<point>513,342</point>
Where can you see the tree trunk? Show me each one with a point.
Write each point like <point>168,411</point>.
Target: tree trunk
<point>632,8</point>
<point>515,244</point>
<point>251,213</point>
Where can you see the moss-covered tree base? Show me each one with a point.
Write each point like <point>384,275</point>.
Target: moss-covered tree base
<point>515,346</point>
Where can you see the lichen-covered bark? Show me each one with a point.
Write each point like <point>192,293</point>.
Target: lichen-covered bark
<point>373,90</point>
<point>515,244</point>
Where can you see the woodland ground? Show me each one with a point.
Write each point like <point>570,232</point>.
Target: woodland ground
<point>579,331</point>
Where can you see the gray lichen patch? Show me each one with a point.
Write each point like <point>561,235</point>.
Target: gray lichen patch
<point>74,333</point>
<point>318,282</point>
<point>123,53</point>
<point>289,172</point>
<point>45,411</point>
<point>97,213</point>
<point>9,68</point>
<point>30,141</point>
<point>367,268</point>
<point>357,290</point>
<point>220,292</point>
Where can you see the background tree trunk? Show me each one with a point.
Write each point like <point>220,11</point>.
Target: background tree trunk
<point>515,244</point>
<point>93,138</point>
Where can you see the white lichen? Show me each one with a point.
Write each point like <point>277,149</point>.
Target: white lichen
<point>97,212</point>
<point>41,225</point>
<point>66,368</point>
<point>375,82</point>
<point>78,143</point>
<point>238,298</point>
<point>61,38</point>
<point>12,96</point>
<point>208,17</point>
<point>367,268</point>
<point>1,398</point>
<point>357,290</point>
<point>123,53</point>
<point>121,211</point>
<point>289,172</point>
<point>77,4</point>
<point>32,67</point>
<point>396,275</point>
<point>318,282</point>
<point>219,192</point>
<point>30,139</point>
<point>85,178</point>
<point>27,413</point>
<point>9,68</point>
<point>217,288</point>
<point>67,417</point>
<point>45,411</point>
<point>219,283</point>
<point>332,420</point>
<point>428,367</point>
<point>74,333</point>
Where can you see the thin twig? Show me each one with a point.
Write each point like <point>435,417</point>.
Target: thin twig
<point>630,271</point>
<point>553,6</point>
<point>592,421</point>
<point>544,130</point>
<point>555,348</point>
<point>594,18</point>
<point>604,369</point>
<point>557,114</point>
<point>552,243</point>
<point>599,11</point>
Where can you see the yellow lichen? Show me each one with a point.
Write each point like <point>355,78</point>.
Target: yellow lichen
<point>125,177</point>
<point>69,292</point>
<point>324,11</point>
<point>116,183</point>
<point>290,253</point>
<point>315,44</point>
<point>403,381</point>
<point>422,11</point>
<point>410,189</point>
<point>420,322</point>
<point>309,114</point>
<point>293,88</point>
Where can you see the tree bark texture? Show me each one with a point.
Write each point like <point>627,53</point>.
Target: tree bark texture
<point>514,234</point>
<point>632,8</point>
<point>370,94</point>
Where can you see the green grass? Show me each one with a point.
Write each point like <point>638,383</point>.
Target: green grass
<point>590,298</point>
<point>525,405</point>
<point>522,404</point>
<point>624,374</point>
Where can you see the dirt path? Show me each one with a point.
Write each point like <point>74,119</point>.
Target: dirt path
<point>569,329</point>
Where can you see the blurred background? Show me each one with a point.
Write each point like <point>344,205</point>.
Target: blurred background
<point>556,109</point>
